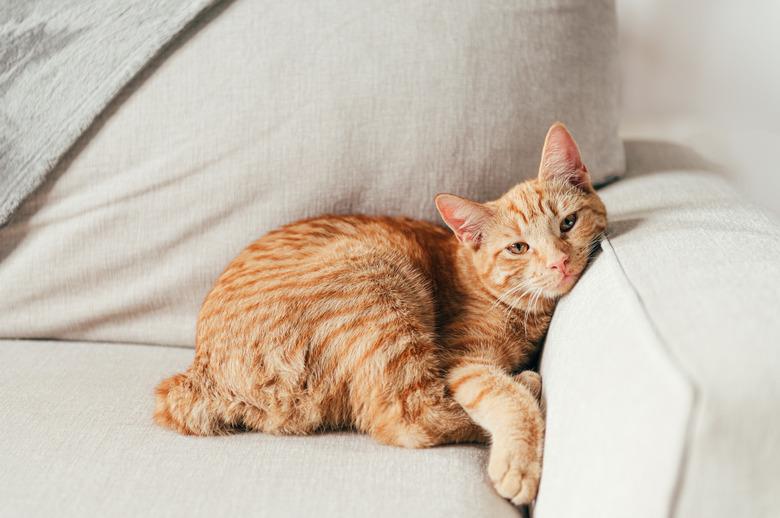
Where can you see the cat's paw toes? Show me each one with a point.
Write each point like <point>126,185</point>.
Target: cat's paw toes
<point>515,474</point>
<point>532,381</point>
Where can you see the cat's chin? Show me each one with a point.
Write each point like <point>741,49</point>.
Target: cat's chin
<point>563,287</point>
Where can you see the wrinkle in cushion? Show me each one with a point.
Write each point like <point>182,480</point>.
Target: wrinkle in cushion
<point>275,112</point>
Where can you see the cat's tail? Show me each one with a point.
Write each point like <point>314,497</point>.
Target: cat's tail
<point>185,405</point>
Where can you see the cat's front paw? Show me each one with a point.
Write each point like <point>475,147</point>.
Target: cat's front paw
<point>515,468</point>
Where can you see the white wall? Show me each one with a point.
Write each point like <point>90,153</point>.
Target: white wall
<point>707,73</point>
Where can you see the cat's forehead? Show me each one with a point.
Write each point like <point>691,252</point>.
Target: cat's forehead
<point>534,199</point>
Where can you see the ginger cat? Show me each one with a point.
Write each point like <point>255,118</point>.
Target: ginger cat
<point>395,327</point>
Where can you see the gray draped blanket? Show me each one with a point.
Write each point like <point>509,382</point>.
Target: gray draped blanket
<point>61,63</point>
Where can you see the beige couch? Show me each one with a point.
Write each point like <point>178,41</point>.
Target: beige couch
<point>661,369</point>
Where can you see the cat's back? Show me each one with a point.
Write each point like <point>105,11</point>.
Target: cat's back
<point>327,239</point>
<point>320,266</point>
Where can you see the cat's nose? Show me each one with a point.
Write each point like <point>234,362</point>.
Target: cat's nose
<point>559,263</point>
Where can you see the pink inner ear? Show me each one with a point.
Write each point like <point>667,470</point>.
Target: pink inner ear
<point>464,217</point>
<point>561,157</point>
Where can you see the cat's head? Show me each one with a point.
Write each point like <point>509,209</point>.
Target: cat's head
<point>535,240</point>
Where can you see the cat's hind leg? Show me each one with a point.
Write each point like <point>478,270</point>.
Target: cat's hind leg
<point>399,395</point>
<point>395,385</point>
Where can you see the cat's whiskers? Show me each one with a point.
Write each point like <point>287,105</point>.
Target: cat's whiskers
<point>512,306</point>
<point>509,292</point>
<point>593,245</point>
<point>531,307</point>
<point>531,295</point>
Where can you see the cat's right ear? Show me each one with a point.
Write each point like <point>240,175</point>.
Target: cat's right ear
<point>466,218</point>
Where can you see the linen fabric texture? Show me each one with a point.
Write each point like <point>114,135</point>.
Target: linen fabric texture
<point>274,113</point>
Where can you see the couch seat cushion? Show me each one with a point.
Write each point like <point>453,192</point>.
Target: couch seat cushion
<point>78,440</point>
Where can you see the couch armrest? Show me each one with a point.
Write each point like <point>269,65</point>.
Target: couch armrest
<point>662,367</point>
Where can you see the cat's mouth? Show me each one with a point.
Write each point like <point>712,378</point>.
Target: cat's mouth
<point>567,280</point>
<point>563,284</point>
<point>567,283</point>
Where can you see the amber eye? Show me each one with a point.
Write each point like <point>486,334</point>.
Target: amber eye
<point>517,248</point>
<point>568,222</point>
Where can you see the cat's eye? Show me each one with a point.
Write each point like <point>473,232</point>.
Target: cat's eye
<point>568,222</point>
<point>517,248</point>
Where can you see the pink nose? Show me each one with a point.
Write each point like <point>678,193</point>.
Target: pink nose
<point>559,264</point>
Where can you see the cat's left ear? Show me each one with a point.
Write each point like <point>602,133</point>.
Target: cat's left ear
<point>465,217</point>
<point>561,158</point>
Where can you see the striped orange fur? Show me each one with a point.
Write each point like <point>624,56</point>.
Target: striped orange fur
<point>395,327</point>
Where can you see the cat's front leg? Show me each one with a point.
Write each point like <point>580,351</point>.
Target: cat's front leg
<point>533,382</point>
<point>508,410</point>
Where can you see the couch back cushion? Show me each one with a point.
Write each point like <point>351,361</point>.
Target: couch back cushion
<point>274,113</point>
